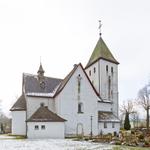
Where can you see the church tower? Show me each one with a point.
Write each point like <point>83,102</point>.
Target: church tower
<point>102,69</point>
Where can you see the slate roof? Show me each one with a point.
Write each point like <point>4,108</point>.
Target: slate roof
<point>43,114</point>
<point>107,117</point>
<point>101,51</point>
<point>33,85</point>
<point>20,104</point>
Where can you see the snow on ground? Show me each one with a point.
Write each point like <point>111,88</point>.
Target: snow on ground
<point>4,136</point>
<point>50,144</point>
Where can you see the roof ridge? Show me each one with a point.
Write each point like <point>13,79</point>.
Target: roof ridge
<point>65,80</point>
<point>43,114</point>
<point>34,75</point>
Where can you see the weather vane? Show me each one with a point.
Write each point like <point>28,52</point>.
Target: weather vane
<point>40,60</point>
<point>100,25</point>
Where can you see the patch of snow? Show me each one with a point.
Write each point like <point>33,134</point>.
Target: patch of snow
<point>41,94</point>
<point>3,136</point>
<point>51,144</point>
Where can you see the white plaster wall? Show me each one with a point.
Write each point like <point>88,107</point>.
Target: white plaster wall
<point>104,106</point>
<point>33,103</point>
<point>100,80</point>
<point>67,105</point>
<point>109,128</point>
<point>18,122</point>
<point>52,130</point>
<point>94,77</point>
<point>104,83</point>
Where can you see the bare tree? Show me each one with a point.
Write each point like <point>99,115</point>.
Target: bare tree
<point>127,107</point>
<point>144,101</point>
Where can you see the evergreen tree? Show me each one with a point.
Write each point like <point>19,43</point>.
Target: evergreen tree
<point>127,125</point>
<point>2,128</point>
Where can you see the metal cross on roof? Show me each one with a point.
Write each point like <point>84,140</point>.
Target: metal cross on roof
<point>100,25</point>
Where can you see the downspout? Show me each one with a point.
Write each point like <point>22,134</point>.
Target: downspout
<point>26,114</point>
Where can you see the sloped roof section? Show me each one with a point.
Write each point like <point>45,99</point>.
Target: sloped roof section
<point>20,104</point>
<point>107,117</point>
<point>43,114</point>
<point>33,85</point>
<point>101,51</point>
<point>67,78</point>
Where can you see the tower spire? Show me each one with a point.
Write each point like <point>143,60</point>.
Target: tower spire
<point>100,25</point>
<point>41,70</point>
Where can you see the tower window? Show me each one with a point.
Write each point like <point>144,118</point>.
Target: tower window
<point>107,68</point>
<point>80,108</point>
<point>94,69</point>
<point>112,70</point>
<point>79,83</point>
<point>109,87</point>
<point>90,73</point>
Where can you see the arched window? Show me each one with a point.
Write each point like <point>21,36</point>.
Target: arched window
<point>109,87</point>
<point>90,73</point>
<point>107,68</point>
<point>112,70</point>
<point>79,83</point>
<point>80,107</point>
<point>94,69</point>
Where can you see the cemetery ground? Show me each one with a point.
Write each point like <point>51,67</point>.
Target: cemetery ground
<point>20,143</point>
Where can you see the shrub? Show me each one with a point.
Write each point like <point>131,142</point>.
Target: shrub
<point>146,143</point>
<point>118,143</point>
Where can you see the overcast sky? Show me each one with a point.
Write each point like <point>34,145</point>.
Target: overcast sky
<point>65,32</point>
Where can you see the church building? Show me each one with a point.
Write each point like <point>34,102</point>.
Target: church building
<point>85,102</point>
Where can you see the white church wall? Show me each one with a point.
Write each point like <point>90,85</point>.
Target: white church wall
<point>100,80</point>
<point>109,128</point>
<point>52,130</point>
<point>33,103</point>
<point>18,122</point>
<point>104,83</point>
<point>104,106</point>
<point>67,105</point>
<point>94,75</point>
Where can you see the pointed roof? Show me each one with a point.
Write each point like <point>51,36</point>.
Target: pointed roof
<point>41,70</point>
<point>43,114</point>
<point>20,104</point>
<point>101,51</point>
<point>67,78</point>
